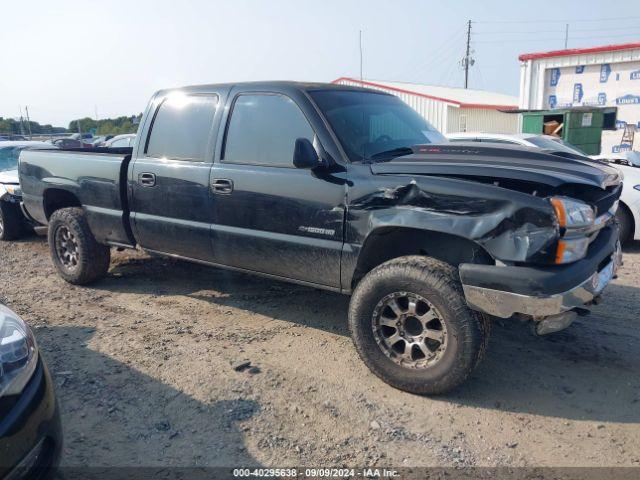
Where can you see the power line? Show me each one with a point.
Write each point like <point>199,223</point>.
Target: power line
<point>479,70</point>
<point>446,74</point>
<point>571,20</point>
<point>499,32</point>
<point>443,51</point>
<point>558,39</point>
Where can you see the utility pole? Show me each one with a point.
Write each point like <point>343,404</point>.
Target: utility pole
<point>360,56</point>
<point>467,59</point>
<point>22,130</point>
<point>26,108</point>
<point>566,36</point>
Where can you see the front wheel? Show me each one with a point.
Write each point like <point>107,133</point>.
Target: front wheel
<point>412,327</point>
<point>76,254</point>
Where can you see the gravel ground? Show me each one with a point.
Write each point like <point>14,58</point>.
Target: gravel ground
<point>151,367</point>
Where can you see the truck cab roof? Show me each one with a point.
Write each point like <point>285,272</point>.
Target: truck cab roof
<point>281,85</point>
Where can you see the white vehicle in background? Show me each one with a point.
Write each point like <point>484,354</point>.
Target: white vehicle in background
<point>12,221</point>
<point>121,141</point>
<point>629,164</point>
<point>546,142</point>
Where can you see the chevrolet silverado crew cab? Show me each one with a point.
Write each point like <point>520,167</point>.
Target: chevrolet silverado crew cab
<point>344,189</point>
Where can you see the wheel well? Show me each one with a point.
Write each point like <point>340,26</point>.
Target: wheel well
<point>55,199</point>
<point>627,211</point>
<point>387,243</point>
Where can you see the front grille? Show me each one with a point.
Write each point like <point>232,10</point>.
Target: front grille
<point>602,203</point>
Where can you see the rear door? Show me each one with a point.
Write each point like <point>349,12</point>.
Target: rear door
<point>269,216</point>
<point>171,207</point>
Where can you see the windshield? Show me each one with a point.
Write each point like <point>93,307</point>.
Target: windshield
<point>549,143</point>
<point>369,123</point>
<point>9,158</point>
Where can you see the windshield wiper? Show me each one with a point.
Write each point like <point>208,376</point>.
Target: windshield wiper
<point>393,153</point>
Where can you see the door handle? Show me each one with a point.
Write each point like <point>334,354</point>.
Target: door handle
<point>222,185</point>
<point>147,179</point>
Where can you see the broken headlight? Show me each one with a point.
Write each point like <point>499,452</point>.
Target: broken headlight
<point>575,218</point>
<point>18,353</point>
<point>573,213</point>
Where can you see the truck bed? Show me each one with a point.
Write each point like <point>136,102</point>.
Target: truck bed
<point>95,178</point>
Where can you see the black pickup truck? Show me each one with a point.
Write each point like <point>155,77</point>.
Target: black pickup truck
<point>345,189</point>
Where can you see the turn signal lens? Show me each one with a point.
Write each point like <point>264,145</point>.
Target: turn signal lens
<point>571,250</point>
<point>561,213</point>
<point>13,190</point>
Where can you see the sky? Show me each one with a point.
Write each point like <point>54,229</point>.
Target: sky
<point>69,59</point>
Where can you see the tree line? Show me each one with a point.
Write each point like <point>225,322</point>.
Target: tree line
<point>106,126</point>
<point>9,125</point>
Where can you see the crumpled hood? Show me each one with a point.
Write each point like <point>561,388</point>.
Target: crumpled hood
<point>9,176</point>
<point>518,163</point>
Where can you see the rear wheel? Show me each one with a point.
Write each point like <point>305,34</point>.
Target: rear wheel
<point>11,221</point>
<point>625,222</point>
<point>412,327</point>
<point>76,254</point>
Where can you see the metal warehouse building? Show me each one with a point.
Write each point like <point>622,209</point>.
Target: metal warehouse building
<point>451,109</point>
<point>607,76</point>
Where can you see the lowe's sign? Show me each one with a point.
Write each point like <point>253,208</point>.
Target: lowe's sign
<point>628,100</point>
<point>605,71</point>
<point>602,98</point>
<point>624,147</point>
<point>635,75</point>
<point>578,93</point>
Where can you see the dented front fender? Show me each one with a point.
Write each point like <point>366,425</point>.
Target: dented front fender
<point>511,226</point>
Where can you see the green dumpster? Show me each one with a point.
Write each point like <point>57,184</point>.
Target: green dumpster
<point>580,126</point>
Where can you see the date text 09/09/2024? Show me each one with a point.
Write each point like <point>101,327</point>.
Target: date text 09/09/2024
<point>315,473</point>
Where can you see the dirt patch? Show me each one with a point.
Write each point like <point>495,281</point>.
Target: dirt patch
<point>150,370</point>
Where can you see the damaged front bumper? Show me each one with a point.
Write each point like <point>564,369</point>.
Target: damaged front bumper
<point>543,292</point>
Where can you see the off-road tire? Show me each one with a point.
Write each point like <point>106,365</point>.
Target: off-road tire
<point>12,223</point>
<point>92,257</point>
<point>625,223</point>
<point>467,331</point>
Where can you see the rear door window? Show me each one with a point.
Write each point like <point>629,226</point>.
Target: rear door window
<point>181,127</point>
<point>263,129</point>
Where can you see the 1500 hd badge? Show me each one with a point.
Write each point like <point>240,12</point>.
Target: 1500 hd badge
<point>317,230</point>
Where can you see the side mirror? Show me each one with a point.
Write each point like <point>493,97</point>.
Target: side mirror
<point>305,155</point>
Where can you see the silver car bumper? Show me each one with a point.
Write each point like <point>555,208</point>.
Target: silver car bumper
<point>506,304</point>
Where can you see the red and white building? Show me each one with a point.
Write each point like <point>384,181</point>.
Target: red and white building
<point>606,76</point>
<point>451,109</point>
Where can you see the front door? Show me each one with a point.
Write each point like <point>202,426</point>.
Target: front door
<point>269,216</point>
<point>171,204</point>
